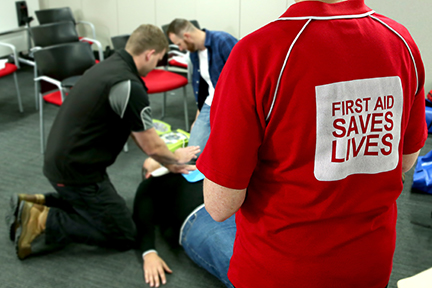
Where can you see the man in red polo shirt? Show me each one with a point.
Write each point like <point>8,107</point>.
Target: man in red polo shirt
<point>315,117</point>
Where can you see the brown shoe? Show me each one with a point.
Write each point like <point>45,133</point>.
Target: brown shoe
<point>34,198</point>
<point>29,227</point>
<point>15,201</point>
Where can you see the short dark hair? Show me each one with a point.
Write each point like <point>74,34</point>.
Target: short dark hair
<point>147,37</point>
<point>179,26</point>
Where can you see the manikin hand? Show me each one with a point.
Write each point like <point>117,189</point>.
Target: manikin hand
<point>154,269</point>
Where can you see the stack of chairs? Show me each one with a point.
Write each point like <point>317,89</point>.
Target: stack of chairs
<point>11,68</point>
<point>60,58</point>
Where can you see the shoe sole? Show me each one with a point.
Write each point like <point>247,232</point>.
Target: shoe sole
<point>22,233</point>
<point>11,216</point>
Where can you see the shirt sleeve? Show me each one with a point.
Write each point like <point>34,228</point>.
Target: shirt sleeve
<point>144,216</point>
<point>416,128</point>
<point>237,125</point>
<point>416,132</point>
<point>130,101</point>
<point>226,46</point>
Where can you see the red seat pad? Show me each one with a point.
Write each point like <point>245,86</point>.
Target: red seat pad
<point>176,63</point>
<point>158,81</point>
<point>9,69</point>
<point>90,42</point>
<point>54,98</point>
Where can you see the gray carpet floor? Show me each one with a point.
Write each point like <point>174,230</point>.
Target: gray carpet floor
<point>85,266</point>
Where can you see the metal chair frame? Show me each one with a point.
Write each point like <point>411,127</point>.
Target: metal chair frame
<point>58,82</point>
<point>15,57</point>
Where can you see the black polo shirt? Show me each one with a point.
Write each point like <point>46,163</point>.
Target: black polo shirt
<point>94,122</point>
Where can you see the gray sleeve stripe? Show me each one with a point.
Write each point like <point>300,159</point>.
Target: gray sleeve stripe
<point>146,118</point>
<point>127,98</point>
<point>119,97</point>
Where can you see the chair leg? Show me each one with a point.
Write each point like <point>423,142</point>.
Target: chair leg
<point>185,109</point>
<point>41,123</point>
<point>163,105</point>
<point>36,89</point>
<point>20,107</point>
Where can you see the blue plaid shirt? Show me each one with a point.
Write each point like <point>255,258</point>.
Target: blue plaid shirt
<point>219,45</point>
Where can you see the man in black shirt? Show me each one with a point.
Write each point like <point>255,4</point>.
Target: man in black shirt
<point>107,104</point>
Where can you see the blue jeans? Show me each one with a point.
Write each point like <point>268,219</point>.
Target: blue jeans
<point>201,129</point>
<point>209,243</point>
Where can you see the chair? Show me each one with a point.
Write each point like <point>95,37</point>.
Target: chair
<point>159,80</point>
<point>46,16</point>
<point>60,32</point>
<point>10,68</point>
<point>59,67</point>
<point>119,42</point>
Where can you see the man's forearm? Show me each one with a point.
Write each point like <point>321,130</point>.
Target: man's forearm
<point>154,146</point>
<point>221,202</point>
<point>408,161</point>
<point>163,155</point>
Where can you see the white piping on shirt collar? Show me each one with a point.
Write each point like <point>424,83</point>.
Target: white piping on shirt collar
<point>406,44</point>
<point>283,68</point>
<point>310,18</point>
<point>352,16</point>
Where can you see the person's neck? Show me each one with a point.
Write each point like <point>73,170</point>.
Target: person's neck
<point>200,36</point>
<point>136,59</point>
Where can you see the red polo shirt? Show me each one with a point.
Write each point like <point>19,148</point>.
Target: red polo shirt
<point>312,113</point>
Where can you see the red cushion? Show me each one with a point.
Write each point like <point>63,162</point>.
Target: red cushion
<point>158,81</point>
<point>90,42</point>
<point>53,98</point>
<point>176,63</point>
<point>9,69</point>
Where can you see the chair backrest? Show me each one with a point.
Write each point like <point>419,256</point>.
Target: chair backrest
<point>119,42</point>
<point>195,23</point>
<point>46,16</point>
<point>165,28</point>
<point>54,33</point>
<point>64,60</point>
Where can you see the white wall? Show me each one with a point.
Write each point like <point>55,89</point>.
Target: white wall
<point>9,21</point>
<point>238,17</point>
<point>256,13</point>
<point>416,17</point>
<point>115,17</point>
